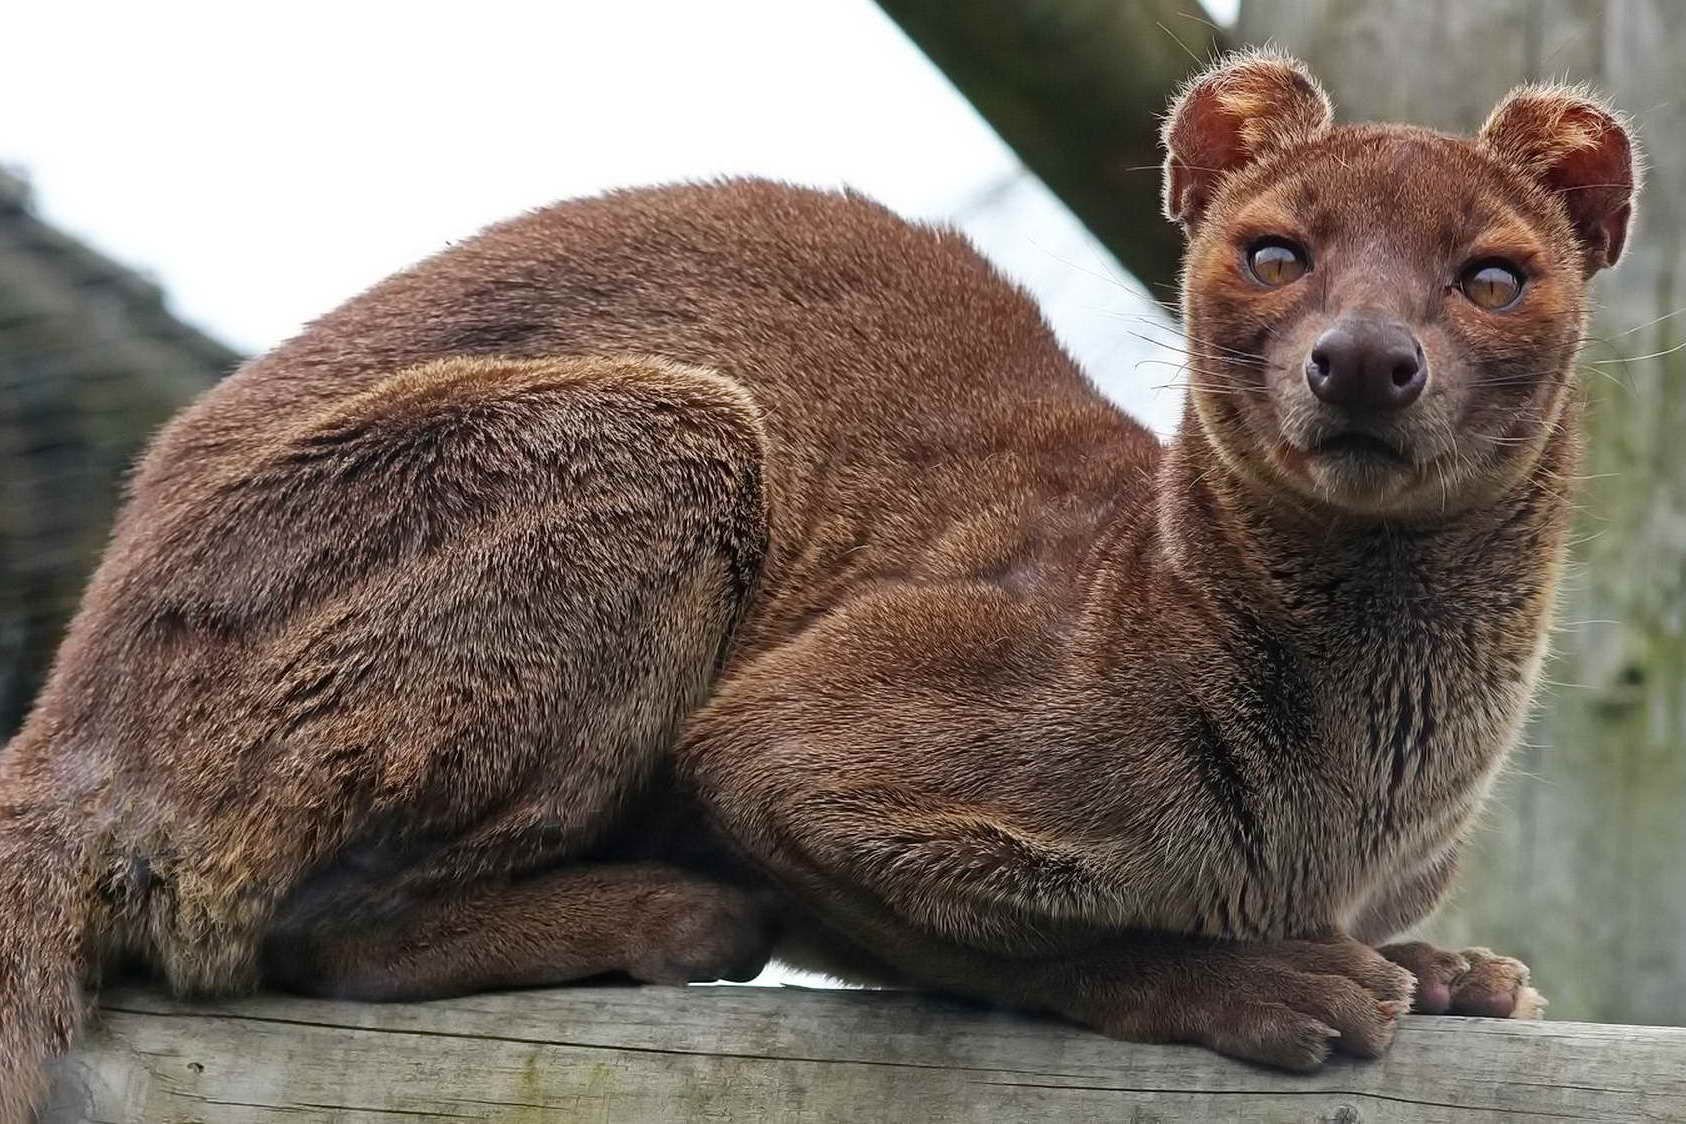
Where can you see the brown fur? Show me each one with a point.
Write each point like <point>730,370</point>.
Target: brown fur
<point>660,576</point>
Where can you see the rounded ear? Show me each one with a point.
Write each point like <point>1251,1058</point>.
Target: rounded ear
<point>1578,148</point>
<point>1249,103</point>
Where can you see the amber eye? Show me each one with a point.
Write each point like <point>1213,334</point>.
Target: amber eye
<point>1492,285</point>
<point>1275,262</point>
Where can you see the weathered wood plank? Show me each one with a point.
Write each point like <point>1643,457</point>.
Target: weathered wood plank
<point>754,1054</point>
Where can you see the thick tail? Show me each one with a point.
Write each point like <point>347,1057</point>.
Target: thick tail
<point>44,915</point>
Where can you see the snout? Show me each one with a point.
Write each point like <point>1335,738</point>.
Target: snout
<point>1369,366</point>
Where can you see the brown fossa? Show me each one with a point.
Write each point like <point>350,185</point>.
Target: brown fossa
<point>664,581</point>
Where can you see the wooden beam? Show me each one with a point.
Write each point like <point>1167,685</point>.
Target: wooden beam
<point>1077,89</point>
<point>761,1054</point>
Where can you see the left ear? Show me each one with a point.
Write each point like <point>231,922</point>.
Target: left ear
<point>1578,148</point>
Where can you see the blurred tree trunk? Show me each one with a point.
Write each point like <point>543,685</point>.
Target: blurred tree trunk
<point>1581,867</point>
<point>91,363</point>
<point>1077,87</point>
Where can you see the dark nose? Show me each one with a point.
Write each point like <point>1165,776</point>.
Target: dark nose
<point>1367,363</point>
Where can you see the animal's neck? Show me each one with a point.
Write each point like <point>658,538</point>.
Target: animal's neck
<point>1400,656</point>
<point>1371,674</point>
<point>1308,571</point>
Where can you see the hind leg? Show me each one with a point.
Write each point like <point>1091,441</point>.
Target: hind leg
<point>656,923</point>
<point>450,626</point>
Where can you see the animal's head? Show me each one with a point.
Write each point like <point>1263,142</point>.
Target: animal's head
<point>1382,318</point>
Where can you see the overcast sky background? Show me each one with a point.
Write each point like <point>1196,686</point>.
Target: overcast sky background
<point>265,162</point>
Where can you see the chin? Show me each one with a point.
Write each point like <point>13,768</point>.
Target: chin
<point>1362,486</point>
<point>1360,483</point>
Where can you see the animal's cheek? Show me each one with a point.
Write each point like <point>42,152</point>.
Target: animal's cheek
<point>1540,330</point>
<point>1549,303</point>
<point>1248,334</point>
<point>1452,365</point>
<point>1471,364</point>
<point>1223,295</point>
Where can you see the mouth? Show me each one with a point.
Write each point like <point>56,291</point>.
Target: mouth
<point>1360,448</point>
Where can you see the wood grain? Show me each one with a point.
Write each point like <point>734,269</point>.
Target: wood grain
<point>763,1054</point>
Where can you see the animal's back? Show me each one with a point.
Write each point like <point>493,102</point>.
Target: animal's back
<point>906,388</point>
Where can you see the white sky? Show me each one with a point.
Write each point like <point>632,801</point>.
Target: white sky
<point>267,161</point>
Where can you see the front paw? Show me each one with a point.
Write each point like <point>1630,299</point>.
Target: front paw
<point>1281,1003</point>
<point>1475,982</point>
<point>1496,987</point>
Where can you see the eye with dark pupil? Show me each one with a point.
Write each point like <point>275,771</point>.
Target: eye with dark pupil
<point>1491,286</point>
<point>1276,263</point>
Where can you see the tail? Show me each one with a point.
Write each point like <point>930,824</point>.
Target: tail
<point>44,916</point>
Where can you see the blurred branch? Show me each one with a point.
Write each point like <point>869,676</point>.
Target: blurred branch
<point>1076,87</point>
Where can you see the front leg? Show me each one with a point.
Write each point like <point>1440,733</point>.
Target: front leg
<point>937,842</point>
<point>937,920</point>
<point>1281,1003</point>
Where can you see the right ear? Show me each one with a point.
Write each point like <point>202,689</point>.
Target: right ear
<point>1248,104</point>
